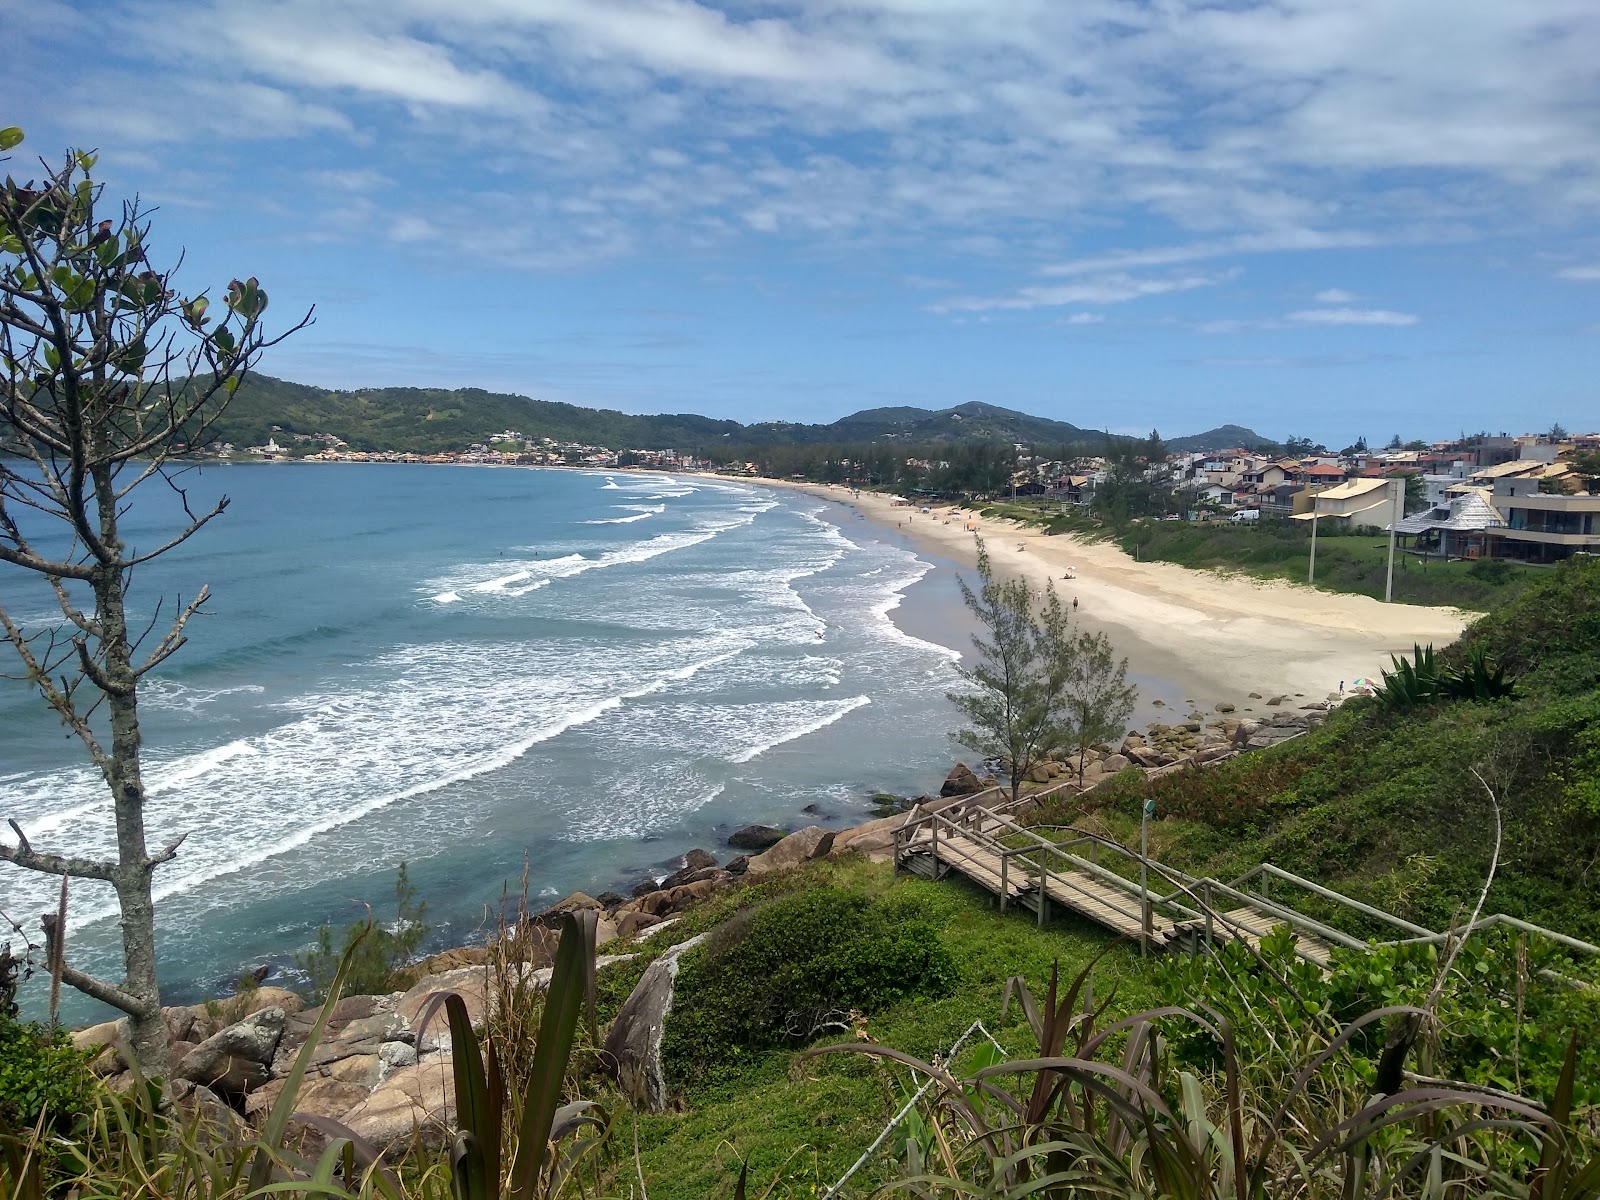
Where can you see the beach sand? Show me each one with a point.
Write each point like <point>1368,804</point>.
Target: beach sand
<point>1215,637</point>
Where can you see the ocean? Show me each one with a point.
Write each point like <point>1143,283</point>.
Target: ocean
<point>460,668</point>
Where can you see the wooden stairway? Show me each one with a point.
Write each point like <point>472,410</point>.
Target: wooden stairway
<point>1251,925</point>
<point>977,856</point>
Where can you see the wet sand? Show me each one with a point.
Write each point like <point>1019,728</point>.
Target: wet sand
<point>1213,637</point>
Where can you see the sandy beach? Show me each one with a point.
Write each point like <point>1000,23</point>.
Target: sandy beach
<point>1217,637</point>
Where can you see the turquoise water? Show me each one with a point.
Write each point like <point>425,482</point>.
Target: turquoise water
<point>459,667</point>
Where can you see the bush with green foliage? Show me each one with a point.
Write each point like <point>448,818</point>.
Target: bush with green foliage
<point>40,1072</point>
<point>781,974</point>
<point>379,954</point>
<point>1507,1008</point>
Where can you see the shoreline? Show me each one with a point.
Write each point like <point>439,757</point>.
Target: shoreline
<point>1215,638</point>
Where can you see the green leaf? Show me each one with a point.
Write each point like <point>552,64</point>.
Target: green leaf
<point>10,137</point>
<point>571,985</point>
<point>223,339</point>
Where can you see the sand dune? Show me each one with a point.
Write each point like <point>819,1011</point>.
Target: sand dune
<point>1216,636</point>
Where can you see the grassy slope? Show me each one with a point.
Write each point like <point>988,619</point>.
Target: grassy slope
<point>1381,805</point>
<point>809,1120</point>
<point>1281,550</point>
<point>1388,807</point>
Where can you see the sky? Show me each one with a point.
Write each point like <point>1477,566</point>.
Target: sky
<point>1323,218</point>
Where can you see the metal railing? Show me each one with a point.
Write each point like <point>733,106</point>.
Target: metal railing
<point>1191,901</point>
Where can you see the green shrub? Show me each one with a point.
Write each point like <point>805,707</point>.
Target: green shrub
<point>796,968</point>
<point>1510,1005</point>
<point>380,955</point>
<point>41,1072</point>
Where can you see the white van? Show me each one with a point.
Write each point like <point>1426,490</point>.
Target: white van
<point>1245,515</point>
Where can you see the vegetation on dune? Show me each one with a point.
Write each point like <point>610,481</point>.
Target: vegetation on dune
<point>1275,549</point>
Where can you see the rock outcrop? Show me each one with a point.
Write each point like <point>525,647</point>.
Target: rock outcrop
<point>755,837</point>
<point>962,781</point>
<point>633,1047</point>
<point>801,846</point>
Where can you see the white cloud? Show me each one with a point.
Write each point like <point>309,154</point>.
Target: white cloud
<point>1335,296</point>
<point>1084,318</point>
<point>1589,274</point>
<point>1352,316</point>
<point>1118,288</point>
<point>993,127</point>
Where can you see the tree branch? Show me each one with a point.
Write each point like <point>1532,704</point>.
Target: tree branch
<point>24,855</point>
<point>106,993</point>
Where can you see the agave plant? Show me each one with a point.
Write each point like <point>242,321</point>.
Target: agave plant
<point>1414,681</point>
<point>1097,1112</point>
<point>1479,678</point>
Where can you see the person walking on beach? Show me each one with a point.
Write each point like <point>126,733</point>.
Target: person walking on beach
<point>1074,604</point>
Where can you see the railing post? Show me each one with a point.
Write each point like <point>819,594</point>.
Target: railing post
<point>1205,896</point>
<point>1044,896</point>
<point>1005,861</point>
<point>1265,879</point>
<point>934,825</point>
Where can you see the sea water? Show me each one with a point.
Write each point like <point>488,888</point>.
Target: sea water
<point>465,668</point>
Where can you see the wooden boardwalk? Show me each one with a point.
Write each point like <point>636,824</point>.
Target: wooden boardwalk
<point>977,839</point>
<point>969,843</point>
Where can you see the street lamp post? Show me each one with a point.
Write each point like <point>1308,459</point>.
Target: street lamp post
<point>1144,875</point>
<point>1311,575</point>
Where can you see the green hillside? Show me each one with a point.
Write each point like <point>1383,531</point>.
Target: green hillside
<point>1393,805</point>
<point>428,420</point>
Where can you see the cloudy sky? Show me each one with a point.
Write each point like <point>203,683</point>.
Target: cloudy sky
<point>1323,217</point>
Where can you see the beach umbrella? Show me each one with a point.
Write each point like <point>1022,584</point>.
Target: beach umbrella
<point>1366,681</point>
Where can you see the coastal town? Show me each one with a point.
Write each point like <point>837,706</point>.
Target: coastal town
<point>1533,498</point>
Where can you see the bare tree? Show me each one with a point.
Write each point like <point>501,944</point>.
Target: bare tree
<point>109,377</point>
<point>1015,699</point>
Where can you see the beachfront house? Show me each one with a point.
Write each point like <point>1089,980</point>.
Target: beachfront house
<point>1278,502</point>
<point>1541,527</point>
<point>1357,502</point>
<point>1458,527</point>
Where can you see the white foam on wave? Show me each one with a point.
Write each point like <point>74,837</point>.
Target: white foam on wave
<point>170,695</point>
<point>447,598</point>
<point>821,715</point>
<point>640,512</point>
<point>610,485</point>
<point>538,573</point>
<point>426,717</point>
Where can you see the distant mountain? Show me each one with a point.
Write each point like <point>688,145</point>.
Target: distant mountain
<point>425,420</point>
<point>1224,437</point>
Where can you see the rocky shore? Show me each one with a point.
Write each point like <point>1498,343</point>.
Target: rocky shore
<point>378,1072</point>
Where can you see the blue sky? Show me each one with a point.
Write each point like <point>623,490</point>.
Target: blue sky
<point>1310,217</point>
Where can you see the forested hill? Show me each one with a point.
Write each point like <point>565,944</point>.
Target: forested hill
<point>426,420</point>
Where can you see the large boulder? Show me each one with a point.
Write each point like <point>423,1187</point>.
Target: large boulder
<point>452,960</point>
<point>109,1043</point>
<point>633,1047</point>
<point>631,923</point>
<point>470,983</point>
<point>235,1060</point>
<point>1113,763</point>
<point>1144,756</point>
<point>699,860</point>
<point>801,846</point>
<point>414,1104</point>
<point>755,837</point>
<point>962,781</point>
<point>577,902</point>
<point>873,840</point>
